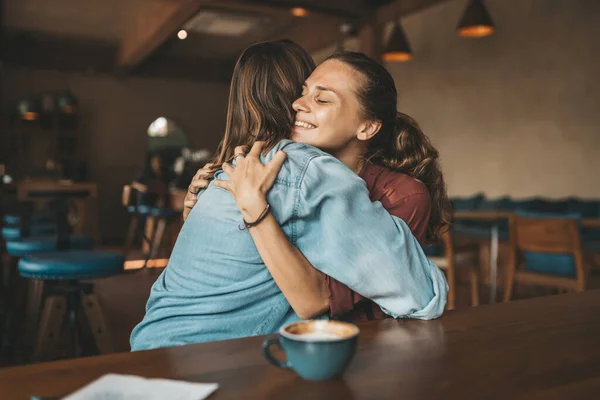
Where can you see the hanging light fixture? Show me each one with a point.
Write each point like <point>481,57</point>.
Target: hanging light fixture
<point>67,102</point>
<point>299,12</point>
<point>29,108</point>
<point>182,34</point>
<point>476,21</point>
<point>397,48</point>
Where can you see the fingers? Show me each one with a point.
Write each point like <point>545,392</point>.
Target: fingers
<point>241,150</point>
<point>204,173</point>
<point>277,161</point>
<point>189,203</point>
<point>222,184</point>
<point>186,212</point>
<point>198,184</point>
<point>256,150</point>
<point>189,196</point>
<point>273,168</point>
<point>208,166</point>
<point>228,168</point>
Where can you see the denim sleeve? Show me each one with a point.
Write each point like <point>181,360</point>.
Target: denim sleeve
<point>357,242</point>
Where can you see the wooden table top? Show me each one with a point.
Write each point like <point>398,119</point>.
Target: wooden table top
<point>535,349</point>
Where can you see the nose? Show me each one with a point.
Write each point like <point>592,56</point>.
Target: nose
<point>300,105</point>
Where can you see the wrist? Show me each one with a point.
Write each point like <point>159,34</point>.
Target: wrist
<point>251,208</point>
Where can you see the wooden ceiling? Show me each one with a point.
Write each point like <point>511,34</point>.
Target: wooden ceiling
<point>139,36</point>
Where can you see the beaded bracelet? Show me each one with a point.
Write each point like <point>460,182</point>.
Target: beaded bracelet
<point>258,221</point>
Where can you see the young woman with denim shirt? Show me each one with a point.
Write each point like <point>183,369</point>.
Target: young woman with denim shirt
<point>216,285</point>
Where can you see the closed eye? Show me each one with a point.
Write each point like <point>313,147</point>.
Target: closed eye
<point>322,101</point>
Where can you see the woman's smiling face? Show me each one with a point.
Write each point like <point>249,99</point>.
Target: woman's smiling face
<point>328,114</point>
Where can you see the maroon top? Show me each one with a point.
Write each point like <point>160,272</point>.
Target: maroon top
<point>402,196</point>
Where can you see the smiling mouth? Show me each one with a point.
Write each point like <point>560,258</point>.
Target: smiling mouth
<point>304,125</point>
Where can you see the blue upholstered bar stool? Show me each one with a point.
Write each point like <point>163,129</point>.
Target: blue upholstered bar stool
<point>35,290</point>
<point>68,296</point>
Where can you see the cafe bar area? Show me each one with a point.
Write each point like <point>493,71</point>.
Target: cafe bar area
<point>299,199</point>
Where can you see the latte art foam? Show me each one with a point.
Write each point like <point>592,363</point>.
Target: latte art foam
<point>319,336</point>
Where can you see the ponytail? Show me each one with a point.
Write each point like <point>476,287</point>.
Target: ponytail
<point>410,151</point>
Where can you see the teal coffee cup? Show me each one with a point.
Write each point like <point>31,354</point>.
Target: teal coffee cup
<point>315,350</point>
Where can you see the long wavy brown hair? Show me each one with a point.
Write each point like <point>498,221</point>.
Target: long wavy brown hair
<point>400,143</point>
<point>267,79</point>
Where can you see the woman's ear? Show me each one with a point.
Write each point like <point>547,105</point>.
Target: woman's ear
<point>368,130</point>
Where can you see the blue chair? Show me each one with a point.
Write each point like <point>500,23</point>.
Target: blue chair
<point>67,295</point>
<point>546,250</point>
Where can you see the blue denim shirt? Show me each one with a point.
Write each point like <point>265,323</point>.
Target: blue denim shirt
<point>217,287</point>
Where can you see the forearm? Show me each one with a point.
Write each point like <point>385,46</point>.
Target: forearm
<point>303,286</point>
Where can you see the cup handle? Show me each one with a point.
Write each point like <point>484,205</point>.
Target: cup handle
<point>267,353</point>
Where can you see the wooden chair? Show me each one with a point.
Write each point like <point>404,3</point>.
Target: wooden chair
<point>151,222</point>
<point>558,241</point>
<point>142,224</point>
<point>459,256</point>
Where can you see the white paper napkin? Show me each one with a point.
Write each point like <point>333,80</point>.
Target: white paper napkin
<point>129,387</point>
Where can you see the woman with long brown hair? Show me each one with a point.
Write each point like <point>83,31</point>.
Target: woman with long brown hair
<point>218,286</point>
<point>396,160</point>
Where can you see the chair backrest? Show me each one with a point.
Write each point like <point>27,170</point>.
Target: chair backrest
<point>549,245</point>
<point>547,235</point>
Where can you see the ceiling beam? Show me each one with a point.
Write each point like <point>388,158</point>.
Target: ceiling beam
<point>152,27</point>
